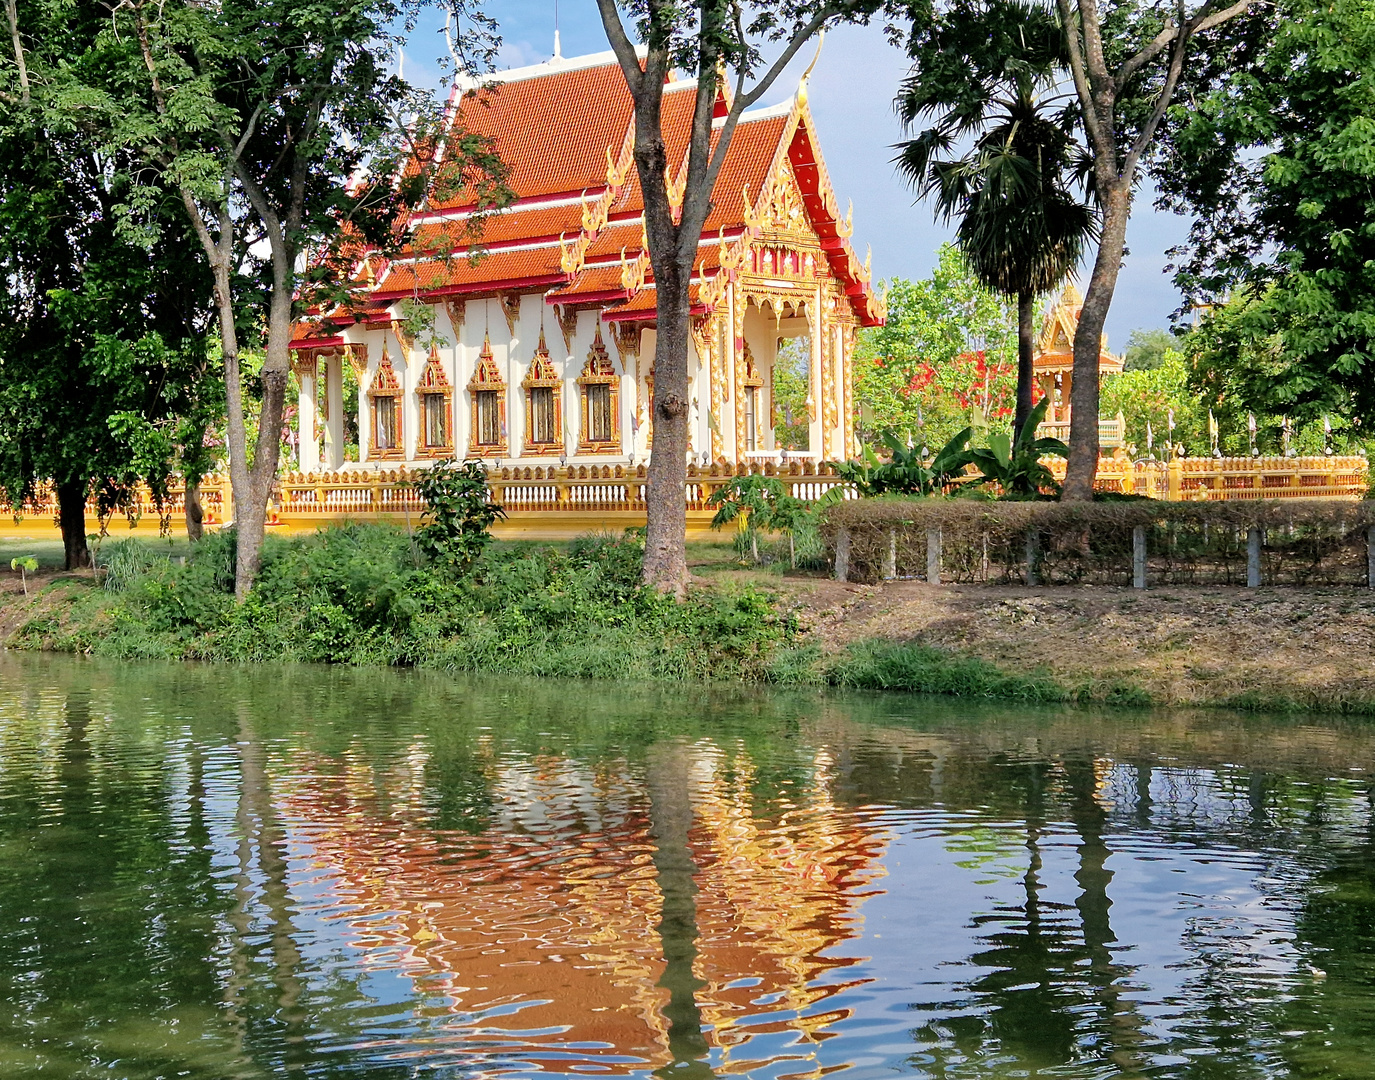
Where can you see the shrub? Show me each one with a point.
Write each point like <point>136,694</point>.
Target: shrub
<point>459,513</point>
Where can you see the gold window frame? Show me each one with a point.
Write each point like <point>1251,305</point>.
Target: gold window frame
<point>385,385</point>
<point>542,375</point>
<point>434,383</point>
<point>599,370</point>
<point>487,379</point>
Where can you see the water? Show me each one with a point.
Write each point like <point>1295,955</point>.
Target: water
<point>238,873</point>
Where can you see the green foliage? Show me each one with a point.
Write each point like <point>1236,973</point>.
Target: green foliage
<point>1149,395</point>
<point>907,471</point>
<point>757,503</point>
<point>459,513</point>
<point>24,564</point>
<point>1016,467</point>
<point>1146,349</point>
<point>1274,156</point>
<point>946,358</point>
<point>355,594</point>
<point>790,388</point>
<point>121,563</point>
<point>887,665</point>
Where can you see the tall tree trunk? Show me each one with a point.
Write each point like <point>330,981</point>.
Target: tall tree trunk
<point>666,504</point>
<point>195,513</point>
<point>670,819</point>
<point>251,513</point>
<point>1088,344</point>
<point>1026,375</point>
<point>71,514</point>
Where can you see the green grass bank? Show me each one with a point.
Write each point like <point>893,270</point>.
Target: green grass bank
<point>365,595</point>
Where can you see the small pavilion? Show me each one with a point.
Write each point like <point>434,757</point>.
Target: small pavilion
<point>1053,363</point>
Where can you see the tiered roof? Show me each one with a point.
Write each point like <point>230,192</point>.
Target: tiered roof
<point>1055,345</point>
<point>575,230</point>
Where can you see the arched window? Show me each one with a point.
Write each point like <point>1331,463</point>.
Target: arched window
<point>385,397</point>
<point>599,388</point>
<point>543,403</point>
<point>436,408</point>
<point>487,391</point>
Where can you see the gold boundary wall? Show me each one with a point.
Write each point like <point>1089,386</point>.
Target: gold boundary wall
<point>560,503</point>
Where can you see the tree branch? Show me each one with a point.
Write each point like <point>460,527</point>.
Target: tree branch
<point>12,14</point>
<point>1080,75</point>
<point>622,46</point>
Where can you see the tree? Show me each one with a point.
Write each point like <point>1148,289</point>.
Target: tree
<point>1146,349</point>
<point>706,38</point>
<point>1274,159</point>
<point>92,328</point>
<point>281,128</point>
<point>945,359</point>
<point>1020,227</point>
<point>1127,58</point>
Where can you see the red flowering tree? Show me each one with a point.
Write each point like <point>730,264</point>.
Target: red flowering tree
<point>947,358</point>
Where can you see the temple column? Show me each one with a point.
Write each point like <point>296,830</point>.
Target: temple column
<point>816,428</point>
<point>845,388</point>
<point>732,362</point>
<point>333,412</point>
<point>307,438</point>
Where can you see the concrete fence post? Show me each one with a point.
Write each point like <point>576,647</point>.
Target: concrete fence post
<point>1139,557</point>
<point>933,556</point>
<point>890,556</point>
<point>1033,551</point>
<point>1370,557</point>
<point>1253,558</point>
<point>842,571</point>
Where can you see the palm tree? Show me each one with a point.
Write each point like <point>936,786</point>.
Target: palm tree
<point>1021,228</point>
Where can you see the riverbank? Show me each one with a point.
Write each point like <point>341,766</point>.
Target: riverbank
<point>359,596</point>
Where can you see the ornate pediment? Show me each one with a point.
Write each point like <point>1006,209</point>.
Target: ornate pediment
<point>542,371</point>
<point>384,380</point>
<point>599,366</point>
<point>433,379</point>
<point>783,208</point>
<point>486,374</point>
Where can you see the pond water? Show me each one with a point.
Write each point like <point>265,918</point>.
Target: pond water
<point>217,872</point>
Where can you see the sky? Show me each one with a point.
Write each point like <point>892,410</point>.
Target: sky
<point>851,95</point>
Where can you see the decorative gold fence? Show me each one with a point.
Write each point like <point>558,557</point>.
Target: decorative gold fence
<point>1217,479</point>
<point>553,503</point>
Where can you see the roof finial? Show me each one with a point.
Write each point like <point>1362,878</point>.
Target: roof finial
<point>558,51</point>
<point>802,82</point>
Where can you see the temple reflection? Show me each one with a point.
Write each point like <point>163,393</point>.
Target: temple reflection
<point>546,926</point>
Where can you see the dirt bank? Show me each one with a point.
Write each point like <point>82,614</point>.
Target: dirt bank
<point>1287,647</point>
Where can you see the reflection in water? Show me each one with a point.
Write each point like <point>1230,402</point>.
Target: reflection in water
<point>217,873</point>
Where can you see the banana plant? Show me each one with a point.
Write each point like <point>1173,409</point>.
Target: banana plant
<point>1016,467</point>
<point>905,472</point>
<point>26,565</point>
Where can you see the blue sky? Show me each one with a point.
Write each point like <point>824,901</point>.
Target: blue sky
<point>851,96</point>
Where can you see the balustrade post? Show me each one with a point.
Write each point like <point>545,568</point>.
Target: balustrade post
<point>890,556</point>
<point>1253,558</point>
<point>842,567</point>
<point>933,556</point>
<point>226,500</point>
<point>1139,557</point>
<point>1033,552</point>
<point>1174,480</point>
<point>376,493</point>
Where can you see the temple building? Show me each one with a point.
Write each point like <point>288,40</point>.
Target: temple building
<point>542,343</point>
<point>1053,364</point>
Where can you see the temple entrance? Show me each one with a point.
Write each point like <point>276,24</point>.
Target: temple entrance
<point>791,390</point>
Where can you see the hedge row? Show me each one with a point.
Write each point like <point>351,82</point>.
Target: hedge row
<point>1301,541</point>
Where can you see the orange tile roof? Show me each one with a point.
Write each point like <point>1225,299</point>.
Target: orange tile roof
<point>751,152</point>
<point>559,149</point>
<point>517,223</point>
<point>675,121</point>
<point>495,268</point>
<point>594,279</point>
